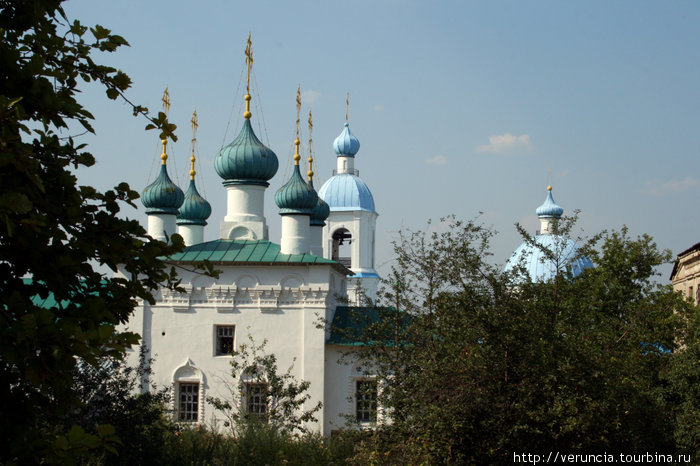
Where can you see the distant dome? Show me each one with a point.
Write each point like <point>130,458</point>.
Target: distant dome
<point>346,144</point>
<point>195,209</point>
<point>246,160</point>
<point>549,208</point>
<point>296,196</point>
<point>162,196</point>
<point>321,212</point>
<point>347,192</point>
<point>541,269</point>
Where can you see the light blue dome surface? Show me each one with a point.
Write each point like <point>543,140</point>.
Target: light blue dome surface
<point>347,192</point>
<point>549,208</point>
<point>296,196</point>
<point>321,212</point>
<point>246,160</point>
<point>195,210</point>
<point>541,269</point>
<point>162,196</point>
<point>346,145</point>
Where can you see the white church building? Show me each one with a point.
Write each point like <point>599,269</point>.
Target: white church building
<point>275,291</point>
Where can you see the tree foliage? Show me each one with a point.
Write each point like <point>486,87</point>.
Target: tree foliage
<point>490,363</point>
<point>56,306</point>
<point>281,393</point>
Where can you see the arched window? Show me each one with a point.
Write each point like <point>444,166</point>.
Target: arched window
<point>188,393</point>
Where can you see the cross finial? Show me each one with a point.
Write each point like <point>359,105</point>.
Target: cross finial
<point>347,107</point>
<point>297,157</point>
<point>249,62</point>
<point>311,155</point>
<point>166,100</point>
<point>195,126</point>
<point>249,59</point>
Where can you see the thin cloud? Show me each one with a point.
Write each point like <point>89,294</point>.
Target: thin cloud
<point>377,108</point>
<point>310,96</point>
<point>671,186</point>
<point>500,143</point>
<point>437,160</point>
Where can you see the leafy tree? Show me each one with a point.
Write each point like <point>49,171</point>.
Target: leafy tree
<point>260,394</point>
<point>56,307</point>
<point>489,364</point>
<point>116,394</point>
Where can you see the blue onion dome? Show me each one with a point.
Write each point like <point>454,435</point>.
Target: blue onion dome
<point>549,208</point>
<point>346,145</point>
<point>538,267</point>
<point>195,210</point>
<point>347,191</point>
<point>296,196</point>
<point>162,196</point>
<point>319,213</point>
<point>246,160</point>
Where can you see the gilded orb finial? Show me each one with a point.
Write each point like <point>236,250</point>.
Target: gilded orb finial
<point>549,188</point>
<point>164,155</point>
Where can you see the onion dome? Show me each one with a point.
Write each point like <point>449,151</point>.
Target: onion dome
<point>346,145</point>
<point>532,260</point>
<point>319,213</point>
<point>246,160</point>
<point>347,191</point>
<point>296,196</point>
<point>162,196</point>
<point>195,209</point>
<point>549,208</point>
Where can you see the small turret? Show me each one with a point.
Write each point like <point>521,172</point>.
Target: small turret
<point>296,200</point>
<point>162,199</point>
<point>195,210</point>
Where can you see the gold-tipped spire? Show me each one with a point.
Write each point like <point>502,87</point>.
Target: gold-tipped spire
<point>195,126</point>
<point>311,155</point>
<point>549,188</point>
<point>249,63</point>
<point>347,107</point>
<point>297,157</point>
<point>166,109</point>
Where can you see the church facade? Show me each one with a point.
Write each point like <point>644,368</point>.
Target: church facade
<point>283,293</point>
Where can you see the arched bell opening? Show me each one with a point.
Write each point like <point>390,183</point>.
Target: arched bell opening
<point>341,249</point>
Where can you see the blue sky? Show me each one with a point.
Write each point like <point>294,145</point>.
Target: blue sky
<point>460,107</point>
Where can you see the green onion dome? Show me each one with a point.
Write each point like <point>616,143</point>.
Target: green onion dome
<point>246,160</point>
<point>195,210</point>
<point>296,196</point>
<point>162,196</point>
<point>321,212</point>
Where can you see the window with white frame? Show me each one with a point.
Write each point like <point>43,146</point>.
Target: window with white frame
<point>188,402</point>
<point>256,398</point>
<point>366,400</point>
<point>224,339</point>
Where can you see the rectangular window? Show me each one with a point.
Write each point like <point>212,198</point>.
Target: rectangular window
<point>188,409</point>
<point>366,400</point>
<point>690,292</point>
<point>224,339</point>
<point>256,398</point>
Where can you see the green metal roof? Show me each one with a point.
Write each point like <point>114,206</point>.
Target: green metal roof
<point>248,252</point>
